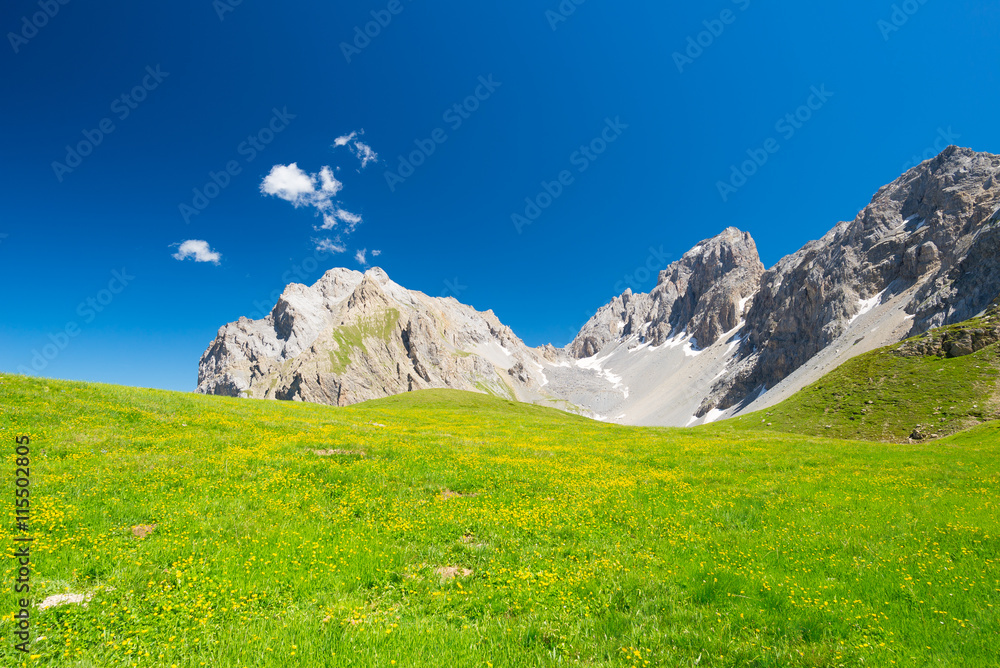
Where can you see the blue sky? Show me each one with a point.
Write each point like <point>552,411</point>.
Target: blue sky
<point>631,114</point>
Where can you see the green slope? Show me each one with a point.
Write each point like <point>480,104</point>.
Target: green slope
<point>572,542</point>
<point>913,388</point>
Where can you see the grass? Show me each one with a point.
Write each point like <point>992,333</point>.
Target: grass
<point>352,337</point>
<point>884,395</point>
<point>575,542</point>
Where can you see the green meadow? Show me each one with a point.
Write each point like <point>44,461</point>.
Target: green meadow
<point>447,528</point>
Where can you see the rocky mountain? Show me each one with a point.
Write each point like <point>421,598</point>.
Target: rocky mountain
<point>922,254</point>
<point>703,294</point>
<point>717,335</point>
<point>352,337</point>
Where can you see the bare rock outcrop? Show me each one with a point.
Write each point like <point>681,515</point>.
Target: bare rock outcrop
<point>352,337</point>
<point>715,335</point>
<point>704,294</point>
<point>934,234</point>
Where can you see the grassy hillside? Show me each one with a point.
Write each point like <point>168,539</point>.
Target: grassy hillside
<point>443,528</point>
<point>889,394</point>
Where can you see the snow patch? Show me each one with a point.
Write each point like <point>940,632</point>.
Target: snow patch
<point>541,370</point>
<point>866,305</point>
<point>694,418</point>
<point>713,415</point>
<point>639,347</point>
<point>595,364</point>
<point>690,344</point>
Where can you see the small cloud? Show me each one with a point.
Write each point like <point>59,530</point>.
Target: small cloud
<point>344,140</point>
<point>332,220</point>
<point>289,183</point>
<point>329,182</point>
<point>361,150</point>
<point>376,253</point>
<point>329,246</point>
<point>364,153</point>
<point>360,257</point>
<point>350,220</point>
<point>198,250</point>
<point>319,191</point>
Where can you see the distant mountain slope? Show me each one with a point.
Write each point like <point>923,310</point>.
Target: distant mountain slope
<point>353,336</point>
<point>925,252</point>
<point>935,384</point>
<point>716,337</point>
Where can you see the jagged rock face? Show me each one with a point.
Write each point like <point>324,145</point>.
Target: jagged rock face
<point>934,230</point>
<point>352,337</point>
<point>706,341</point>
<point>703,294</point>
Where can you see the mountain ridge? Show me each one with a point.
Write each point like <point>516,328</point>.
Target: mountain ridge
<point>717,335</point>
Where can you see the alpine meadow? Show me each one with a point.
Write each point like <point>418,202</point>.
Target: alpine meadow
<point>556,334</point>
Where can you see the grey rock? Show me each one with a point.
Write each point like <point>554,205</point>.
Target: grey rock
<point>933,231</point>
<point>702,294</point>
<point>715,333</point>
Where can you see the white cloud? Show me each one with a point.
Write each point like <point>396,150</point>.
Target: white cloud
<point>364,153</point>
<point>376,253</point>
<point>350,220</point>
<point>289,183</point>
<point>344,140</point>
<point>329,182</point>
<point>198,250</point>
<point>360,257</point>
<point>332,220</point>
<point>319,191</point>
<point>361,150</point>
<point>329,246</point>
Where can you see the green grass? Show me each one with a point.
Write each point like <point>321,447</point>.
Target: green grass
<point>587,544</point>
<point>884,395</point>
<point>352,337</point>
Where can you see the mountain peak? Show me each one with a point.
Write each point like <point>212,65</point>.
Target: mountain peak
<point>716,334</point>
<point>702,294</point>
